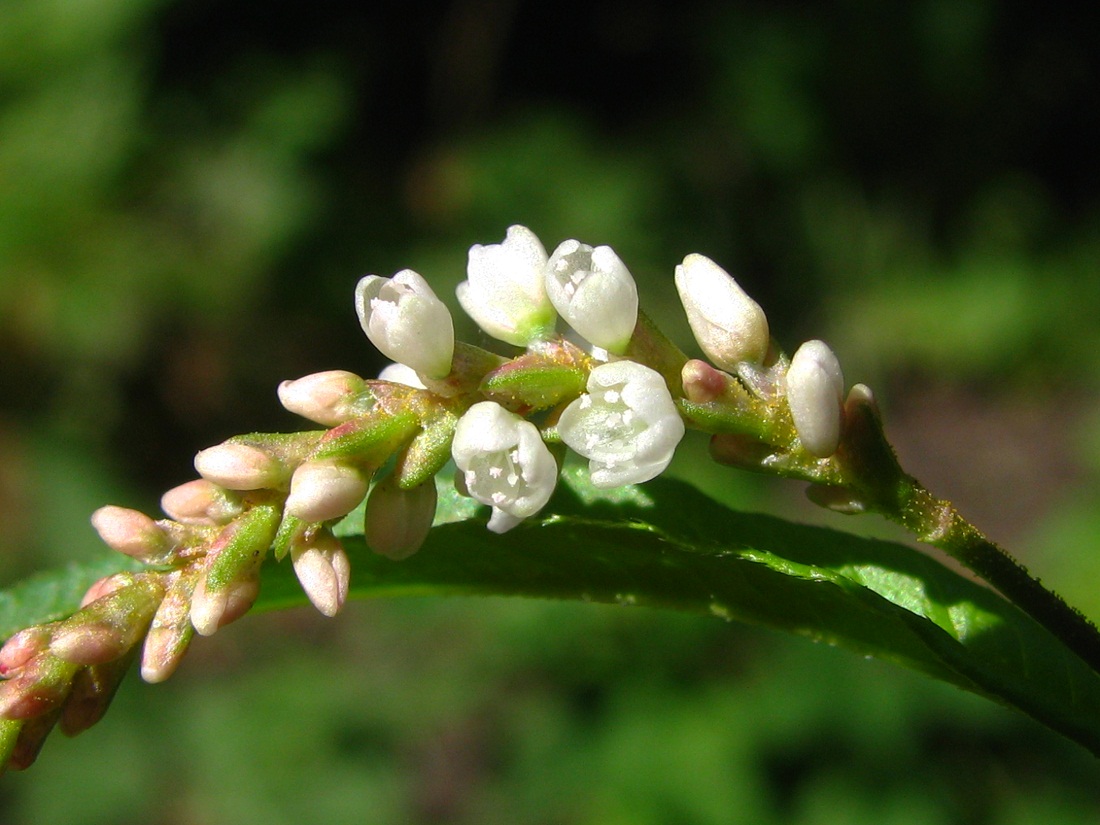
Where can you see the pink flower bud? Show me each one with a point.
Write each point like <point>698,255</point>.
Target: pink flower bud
<point>324,397</point>
<point>92,691</point>
<point>702,382</point>
<point>109,626</point>
<point>130,532</point>
<point>40,688</point>
<point>170,633</point>
<point>325,489</point>
<point>31,737</point>
<point>105,587</point>
<point>323,570</point>
<point>238,466</point>
<point>200,502</point>
<point>22,647</point>
<point>214,609</point>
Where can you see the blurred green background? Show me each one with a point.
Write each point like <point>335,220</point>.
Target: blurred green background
<point>189,191</point>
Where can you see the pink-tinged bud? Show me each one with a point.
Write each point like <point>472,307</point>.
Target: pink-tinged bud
<point>41,687</point>
<point>130,532</point>
<point>240,467</point>
<point>93,689</point>
<point>325,397</point>
<point>325,489</point>
<point>31,737</point>
<point>200,502</point>
<point>170,633</point>
<point>214,609</point>
<point>702,382</point>
<point>23,647</point>
<point>323,570</point>
<point>105,587</point>
<point>398,520</point>
<point>110,626</point>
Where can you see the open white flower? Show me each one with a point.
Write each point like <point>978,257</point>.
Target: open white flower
<point>594,292</point>
<point>504,463</point>
<point>626,425</point>
<point>815,393</point>
<point>506,290</point>
<point>407,322</point>
<point>729,325</point>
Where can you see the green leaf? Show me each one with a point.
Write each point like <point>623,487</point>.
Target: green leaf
<point>667,545</point>
<point>54,594</point>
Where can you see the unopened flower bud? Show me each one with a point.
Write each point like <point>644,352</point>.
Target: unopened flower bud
<point>406,321</point>
<point>324,397</point>
<point>130,532</point>
<point>238,466</point>
<point>325,489</point>
<point>201,502</point>
<point>398,520</point>
<point>93,689</point>
<point>110,626</point>
<point>232,579</point>
<point>729,325</point>
<point>323,570</point>
<point>506,288</point>
<point>170,632</point>
<point>40,688</point>
<point>505,463</point>
<point>627,424</point>
<point>214,609</point>
<point>594,292</point>
<point>30,739</point>
<point>815,392</point>
<point>702,383</point>
<point>24,646</point>
<point>105,587</point>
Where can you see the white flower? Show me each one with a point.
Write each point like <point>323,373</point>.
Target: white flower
<point>407,322</point>
<point>627,424</point>
<point>594,292</point>
<point>729,325</point>
<point>815,393</point>
<point>506,290</point>
<point>504,463</point>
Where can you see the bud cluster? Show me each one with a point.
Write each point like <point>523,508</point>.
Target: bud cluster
<point>621,398</point>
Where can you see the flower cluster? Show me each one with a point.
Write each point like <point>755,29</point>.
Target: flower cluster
<point>614,391</point>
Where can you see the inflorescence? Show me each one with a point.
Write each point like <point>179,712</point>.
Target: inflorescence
<point>617,392</point>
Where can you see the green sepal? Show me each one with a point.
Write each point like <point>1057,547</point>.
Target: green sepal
<point>546,376</point>
<point>368,440</point>
<point>426,454</point>
<point>246,541</point>
<point>290,528</point>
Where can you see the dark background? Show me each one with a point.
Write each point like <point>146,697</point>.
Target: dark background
<point>189,192</point>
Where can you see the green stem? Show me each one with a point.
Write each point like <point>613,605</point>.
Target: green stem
<point>872,470</point>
